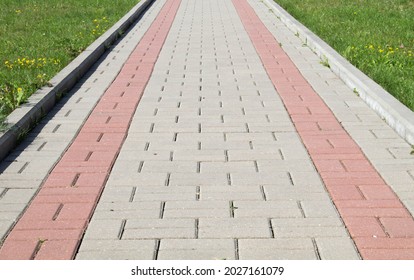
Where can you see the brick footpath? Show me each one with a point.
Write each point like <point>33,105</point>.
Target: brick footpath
<point>221,137</point>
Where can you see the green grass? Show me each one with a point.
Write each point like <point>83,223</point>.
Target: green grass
<point>377,36</point>
<point>38,38</point>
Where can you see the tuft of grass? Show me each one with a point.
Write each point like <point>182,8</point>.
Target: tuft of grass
<point>325,62</point>
<point>376,36</point>
<point>356,92</point>
<point>39,38</point>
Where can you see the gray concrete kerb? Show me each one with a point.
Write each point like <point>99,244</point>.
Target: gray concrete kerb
<point>392,111</point>
<point>24,118</point>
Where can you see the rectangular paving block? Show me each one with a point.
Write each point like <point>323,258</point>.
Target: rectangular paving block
<point>97,245</point>
<point>342,248</point>
<point>104,229</point>
<point>106,254</point>
<point>169,166</point>
<point>202,155</point>
<point>250,155</point>
<point>127,214</point>
<point>311,231</point>
<point>266,209</point>
<point>17,196</point>
<point>306,222</point>
<point>275,193</point>
<point>197,249</point>
<point>277,254</point>
<point>314,209</point>
<point>198,179</point>
<point>234,228</point>
<point>206,254</point>
<point>122,206</point>
<point>261,178</point>
<point>168,231</point>
<point>228,167</point>
<point>230,193</point>
<point>149,179</point>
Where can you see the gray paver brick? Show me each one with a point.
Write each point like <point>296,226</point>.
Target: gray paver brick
<point>289,232</point>
<point>159,233</point>
<point>236,155</point>
<point>195,213</point>
<point>170,167</point>
<point>103,229</point>
<point>10,215</point>
<point>261,178</point>
<point>266,209</point>
<point>234,228</point>
<point>277,249</point>
<point>142,246</point>
<point>336,248</point>
<point>307,222</point>
<point>18,196</point>
<point>410,204</point>
<point>127,214</point>
<point>205,254</point>
<point>198,179</point>
<point>197,204</point>
<point>159,223</point>
<point>203,155</point>
<point>231,193</point>
<point>197,249</point>
<point>12,207</point>
<point>228,167</point>
<point>4,227</point>
<point>276,243</point>
<point>115,255</point>
<point>285,165</point>
<point>144,155</point>
<point>315,209</point>
<point>149,179</point>
<point>121,206</point>
<point>277,254</point>
<point>280,193</point>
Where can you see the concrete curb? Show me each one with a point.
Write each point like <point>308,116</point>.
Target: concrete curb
<point>392,111</point>
<point>24,118</point>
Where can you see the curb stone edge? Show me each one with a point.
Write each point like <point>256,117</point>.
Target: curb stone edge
<point>393,112</point>
<point>27,115</point>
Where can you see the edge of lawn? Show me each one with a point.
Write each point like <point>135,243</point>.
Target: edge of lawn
<point>391,110</point>
<point>27,115</point>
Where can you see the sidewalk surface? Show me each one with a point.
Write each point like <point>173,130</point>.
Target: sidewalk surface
<point>210,131</point>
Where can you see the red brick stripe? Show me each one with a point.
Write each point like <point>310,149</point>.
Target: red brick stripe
<point>376,219</point>
<point>53,225</point>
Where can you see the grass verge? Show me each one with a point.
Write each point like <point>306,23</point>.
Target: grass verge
<point>376,36</point>
<point>39,38</point>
